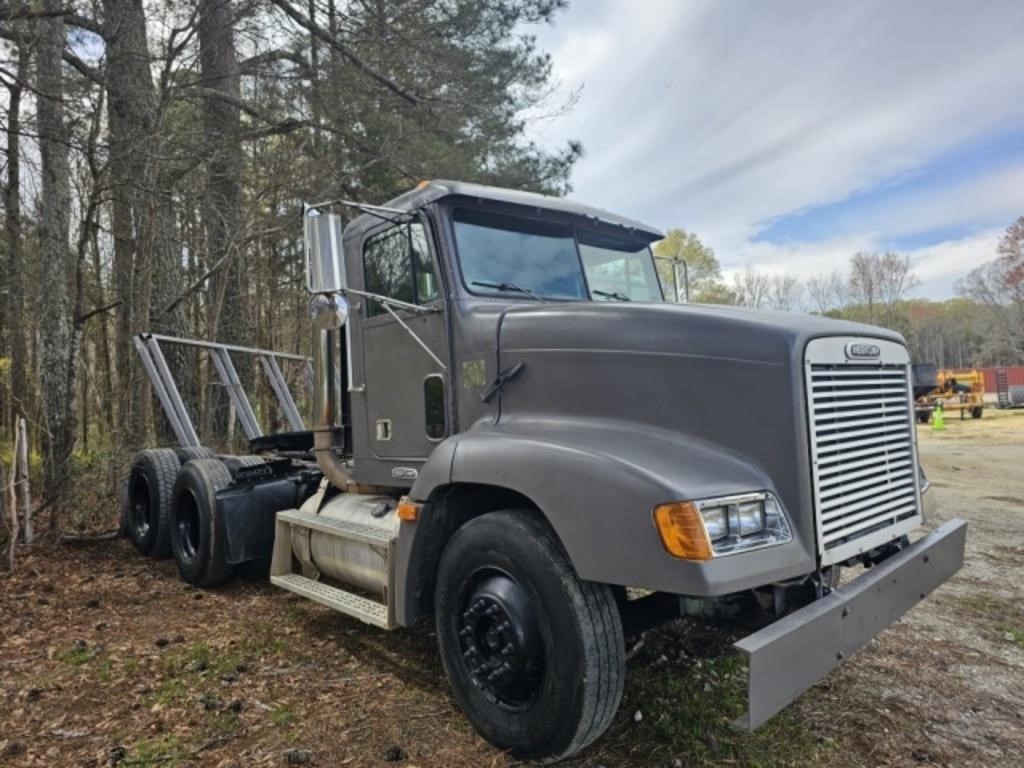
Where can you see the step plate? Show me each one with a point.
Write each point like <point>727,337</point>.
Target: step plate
<point>366,534</point>
<point>348,603</point>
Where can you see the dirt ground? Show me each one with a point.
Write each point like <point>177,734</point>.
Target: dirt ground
<point>107,659</point>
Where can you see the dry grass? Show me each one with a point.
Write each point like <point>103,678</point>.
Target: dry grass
<point>108,659</point>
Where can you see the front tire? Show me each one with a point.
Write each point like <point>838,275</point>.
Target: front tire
<point>535,656</point>
<point>196,533</point>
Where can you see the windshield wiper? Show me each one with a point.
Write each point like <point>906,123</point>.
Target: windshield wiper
<point>509,287</point>
<point>612,295</point>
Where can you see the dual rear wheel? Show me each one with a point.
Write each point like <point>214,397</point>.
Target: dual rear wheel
<point>170,509</point>
<point>197,532</point>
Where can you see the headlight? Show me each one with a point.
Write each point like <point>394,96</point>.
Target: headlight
<point>700,530</point>
<point>716,522</point>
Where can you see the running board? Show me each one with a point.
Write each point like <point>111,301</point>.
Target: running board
<point>349,603</point>
<point>307,583</point>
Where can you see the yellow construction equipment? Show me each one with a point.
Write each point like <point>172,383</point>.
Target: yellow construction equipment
<point>958,389</point>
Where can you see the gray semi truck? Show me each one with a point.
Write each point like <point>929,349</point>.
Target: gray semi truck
<point>516,437</point>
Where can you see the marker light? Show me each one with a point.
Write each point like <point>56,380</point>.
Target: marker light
<point>682,531</point>
<point>408,510</point>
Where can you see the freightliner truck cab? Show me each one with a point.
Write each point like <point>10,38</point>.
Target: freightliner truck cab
<point>516,437</point>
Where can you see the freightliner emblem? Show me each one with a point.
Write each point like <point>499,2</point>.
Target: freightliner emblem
<point>863,350</point>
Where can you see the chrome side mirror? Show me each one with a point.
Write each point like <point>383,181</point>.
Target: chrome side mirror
<point>325,260</point>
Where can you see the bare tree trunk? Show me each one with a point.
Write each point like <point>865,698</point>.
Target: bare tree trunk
<point>222,202</point>
<point>147,259</point>
<point>12,225</point>
<point>105,373</point>
<point>55,350</point>
<point>22,506</point>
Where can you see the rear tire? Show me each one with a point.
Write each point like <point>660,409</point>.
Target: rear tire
<point>534,655</point>
<point>976,412</point>
<point>196,531</point>
<point>148,500</point>
<point>187,454</point>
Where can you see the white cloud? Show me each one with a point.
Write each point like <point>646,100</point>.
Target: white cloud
<point>723,116</point>
<point>939,266</point>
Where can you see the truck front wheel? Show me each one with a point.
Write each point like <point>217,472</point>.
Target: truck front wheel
<point>534,655</point>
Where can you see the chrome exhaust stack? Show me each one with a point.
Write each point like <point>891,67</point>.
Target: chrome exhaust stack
<point>325,279</point>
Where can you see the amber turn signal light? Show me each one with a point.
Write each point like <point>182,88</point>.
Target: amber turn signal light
<point>682,531</point>
<point>408,510</point>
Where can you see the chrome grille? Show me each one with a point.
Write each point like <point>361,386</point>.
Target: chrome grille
<point>865,475</point>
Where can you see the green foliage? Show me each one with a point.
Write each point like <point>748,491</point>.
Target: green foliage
<point>689,689</point>
<point>1014,634</point>
<point>464,75</point>
<point>703,269</point>
<point>283,715</point>
<point>77,655</point>
<point>165,750</point>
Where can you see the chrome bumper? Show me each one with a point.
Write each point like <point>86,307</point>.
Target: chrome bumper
<point>786,658</point>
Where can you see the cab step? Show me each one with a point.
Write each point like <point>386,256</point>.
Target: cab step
<point>349,603</point>
<point>365,534</point>
<point>380,613</point>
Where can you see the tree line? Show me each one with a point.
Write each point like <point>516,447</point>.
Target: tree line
<point>156,155</point>
<point>983,325</point>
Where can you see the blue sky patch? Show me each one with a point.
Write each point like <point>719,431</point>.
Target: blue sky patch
<point>855,213</point>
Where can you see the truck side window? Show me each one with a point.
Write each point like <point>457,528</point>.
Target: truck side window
<point>396,264</point>
<point>433,402</point>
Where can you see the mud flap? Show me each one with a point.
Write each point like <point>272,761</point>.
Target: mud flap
<point>789,656</point>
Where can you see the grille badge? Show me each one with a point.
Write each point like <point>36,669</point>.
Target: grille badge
<point>861,351</point>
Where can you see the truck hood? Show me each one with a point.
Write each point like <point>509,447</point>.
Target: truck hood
<point>701,330</point>
<point>670,388</point>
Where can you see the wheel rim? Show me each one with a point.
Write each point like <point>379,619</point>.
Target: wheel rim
<point>141,509</point>
<point>500,639</point>
<point>188,525</point>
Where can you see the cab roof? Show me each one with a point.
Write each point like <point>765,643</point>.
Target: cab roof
<point>430,191</point>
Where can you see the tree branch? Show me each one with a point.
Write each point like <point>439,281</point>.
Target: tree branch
<point>80,320</point>
<point>90,73</point>
<point>11,12</point>
<point>358,63</point>
<point>251,65</point>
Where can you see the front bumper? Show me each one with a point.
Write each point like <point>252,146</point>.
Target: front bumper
<point>786,658</point>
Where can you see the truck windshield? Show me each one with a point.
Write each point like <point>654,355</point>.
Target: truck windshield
<point>618,270</point>
<point>550,261</point>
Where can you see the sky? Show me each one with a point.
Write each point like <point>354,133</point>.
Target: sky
<point>790,135</point>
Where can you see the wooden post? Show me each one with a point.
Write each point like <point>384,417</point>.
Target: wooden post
<point>3,516</point>
<point>24,510</point>
<point>8,491</point>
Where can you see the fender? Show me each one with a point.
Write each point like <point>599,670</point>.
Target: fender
<point>597,483</point>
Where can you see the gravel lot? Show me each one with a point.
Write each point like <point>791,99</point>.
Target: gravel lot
<point>107,659</point>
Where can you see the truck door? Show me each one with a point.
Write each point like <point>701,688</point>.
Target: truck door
<point>404,353</point>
